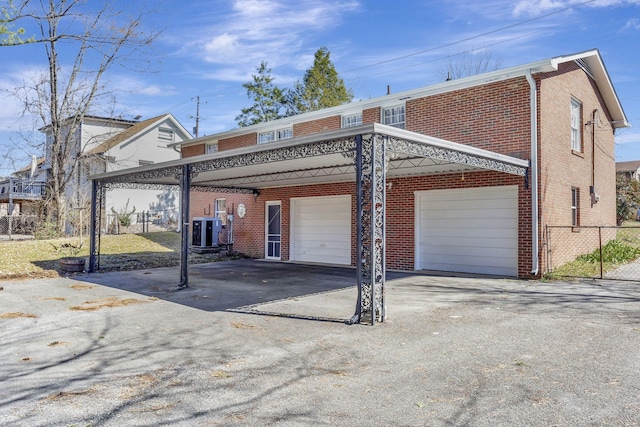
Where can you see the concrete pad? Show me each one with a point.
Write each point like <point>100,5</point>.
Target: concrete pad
<point>454,351</point>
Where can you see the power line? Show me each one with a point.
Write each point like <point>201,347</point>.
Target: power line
<point>386,61</point>
<point>453,55</point>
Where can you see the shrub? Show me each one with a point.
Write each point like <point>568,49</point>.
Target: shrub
<point>614,252</point>
<point>46,229</point>
<point>124,214</point>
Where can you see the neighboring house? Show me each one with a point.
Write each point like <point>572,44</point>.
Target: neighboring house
<point>109,144</point>
<point>143,143</point>
<point>630,169</point>
<point>20,193</point>
<point>460,176</point>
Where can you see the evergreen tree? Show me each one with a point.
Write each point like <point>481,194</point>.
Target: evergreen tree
<point>268,99</point>
<point>321,87</point>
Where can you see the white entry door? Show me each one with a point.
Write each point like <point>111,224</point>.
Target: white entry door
<point>471,230</point>
<point>321,229</point>
<point>272,230</point>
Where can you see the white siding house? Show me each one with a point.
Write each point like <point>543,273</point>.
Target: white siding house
<point>108,144</point>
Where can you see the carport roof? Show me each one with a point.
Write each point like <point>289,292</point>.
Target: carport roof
<point>319,158</point>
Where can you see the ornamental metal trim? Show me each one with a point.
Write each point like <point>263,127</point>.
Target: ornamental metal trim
<point>344,146</point>
<point>405,146</point>
<point>139,186</point>
<point>173,172</point>
<point>225,190</point>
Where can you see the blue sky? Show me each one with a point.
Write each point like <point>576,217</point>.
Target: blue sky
<point>209,48</point>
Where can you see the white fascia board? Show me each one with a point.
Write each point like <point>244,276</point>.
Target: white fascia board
<point>599,72</point>
<point>183,130</point>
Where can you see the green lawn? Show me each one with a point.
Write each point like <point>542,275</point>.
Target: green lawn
<point>623,249</point>
<point>39,258</point>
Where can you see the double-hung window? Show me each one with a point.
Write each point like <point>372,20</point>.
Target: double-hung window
<point>220,207</point>
<point>212,148</point>
<point>394,116</point>
<point>575,207</point>
<point>352,120</point>
<point>576,131</point>
<point>275,135</point>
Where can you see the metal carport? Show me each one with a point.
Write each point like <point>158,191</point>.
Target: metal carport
<point>366,155</point>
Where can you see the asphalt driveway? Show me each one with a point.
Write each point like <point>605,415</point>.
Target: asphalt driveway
<point>110,349</point>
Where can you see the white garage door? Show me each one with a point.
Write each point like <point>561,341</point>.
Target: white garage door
<point>321,229</point>
<point>472,230</point>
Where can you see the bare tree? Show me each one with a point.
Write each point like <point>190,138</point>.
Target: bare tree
<point>82,41</point>
<point>469,63</point>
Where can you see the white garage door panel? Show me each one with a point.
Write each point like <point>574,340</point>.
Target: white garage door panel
<point>472,223</point>
<point>307,234</point>
<point>464,232</point>
<point>321,229</point>
<point>468,230</point>
<point>461,245</point>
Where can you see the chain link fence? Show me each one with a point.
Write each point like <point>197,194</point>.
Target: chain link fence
<point>16,226</point>
<point>601,252</point>
<point>142,222</point>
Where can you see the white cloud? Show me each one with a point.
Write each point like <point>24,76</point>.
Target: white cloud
<point>130,85</point>
<point>628,138</point>
<point>632,24</point>
<point>272,30</point>
<point>539,7</point>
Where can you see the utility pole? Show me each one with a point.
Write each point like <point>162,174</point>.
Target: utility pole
<point>197,117</point>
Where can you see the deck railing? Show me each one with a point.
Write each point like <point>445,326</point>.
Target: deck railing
<point>21,189</point>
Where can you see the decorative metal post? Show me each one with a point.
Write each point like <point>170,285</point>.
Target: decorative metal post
<point>185,190</point>
<point>370,223</point>
<point>97,202</point>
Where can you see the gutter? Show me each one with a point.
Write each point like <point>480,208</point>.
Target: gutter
<point>533,100</point>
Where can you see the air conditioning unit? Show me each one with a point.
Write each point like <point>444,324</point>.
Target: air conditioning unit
<point>205,231</point>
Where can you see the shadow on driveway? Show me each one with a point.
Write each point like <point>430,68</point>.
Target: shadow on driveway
<point>239,285</point>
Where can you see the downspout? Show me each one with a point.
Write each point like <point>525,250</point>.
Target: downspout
<point>533,100</point>
<point>593,150</point>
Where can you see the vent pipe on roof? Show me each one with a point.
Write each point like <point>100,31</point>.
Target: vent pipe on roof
<point>388,89</point>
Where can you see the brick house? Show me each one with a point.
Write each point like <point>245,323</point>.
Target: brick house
<point>483,222</point>
<point>460,176</point>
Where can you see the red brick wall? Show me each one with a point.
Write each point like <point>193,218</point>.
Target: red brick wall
<point>246,140</point>
<point>371,115</point>
<point>193,150</point>
<point>560,168</point>
<point>401,213</point>
<point>315,126</point>
<point>249,232</point>
<point>493,117</point>
<point>286,193</point>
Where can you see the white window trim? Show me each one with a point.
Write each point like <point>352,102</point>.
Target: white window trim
<point>575,201</point>
<point>347,120</point>
<point>220,211</point>
<point>276,134</point>
<point>576,132</point>
<point>211,148</point>
<point>398,124</point>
